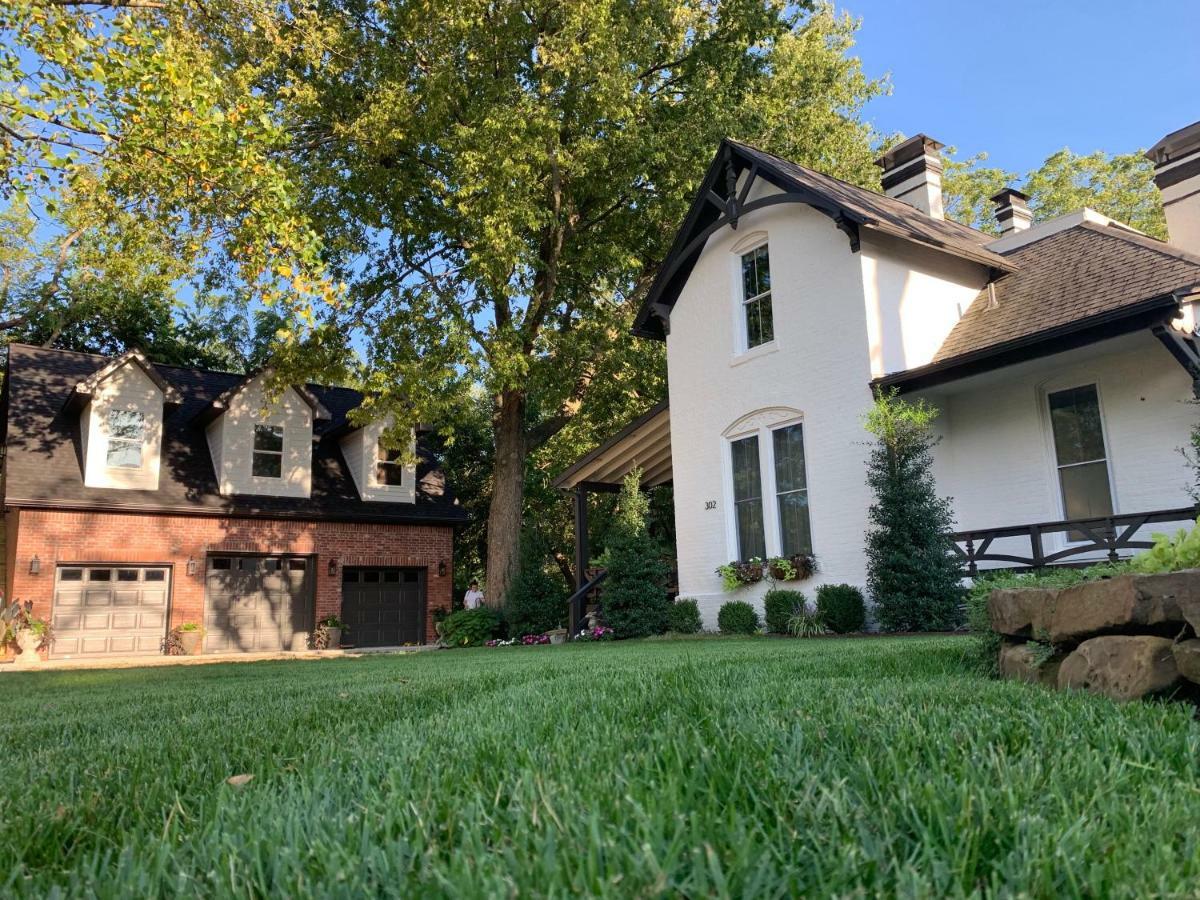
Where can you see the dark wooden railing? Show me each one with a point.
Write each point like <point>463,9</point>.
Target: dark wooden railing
<point>1113,536</point>
<point>577,603</point>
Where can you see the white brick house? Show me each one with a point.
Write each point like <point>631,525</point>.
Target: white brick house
<point>1059,354</point>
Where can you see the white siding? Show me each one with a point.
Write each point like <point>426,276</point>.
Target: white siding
<point>818,366</point>
<point>359,449</point>
<point>231,441</point>
<point>127,388</point>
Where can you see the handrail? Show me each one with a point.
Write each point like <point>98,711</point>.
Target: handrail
<point>1109,534</point>
<point>577,602</point>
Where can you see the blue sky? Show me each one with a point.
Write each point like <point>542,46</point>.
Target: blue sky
<point>1022,79</point>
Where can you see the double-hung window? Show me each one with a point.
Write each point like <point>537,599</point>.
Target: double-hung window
<point>126,434</point>
<point>268,451</point>
<point>747,498</point>
<point>756,297</point>
<point>791,490</point>
<point>389,466</point>
<point>1080,454</point>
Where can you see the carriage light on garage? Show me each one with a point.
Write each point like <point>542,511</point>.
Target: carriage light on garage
<point>35,565</point>
<point>442,568</point>
<point>191,565</point>
<point>332,567</point>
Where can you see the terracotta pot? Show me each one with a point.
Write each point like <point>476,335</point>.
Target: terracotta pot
<point>190,641</point>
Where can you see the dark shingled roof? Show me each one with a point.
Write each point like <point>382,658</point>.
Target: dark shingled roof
<point>883,213</point>
<point>1068,277</point>
<point>42,463</point>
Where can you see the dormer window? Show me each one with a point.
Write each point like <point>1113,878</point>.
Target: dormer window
<point>268,451</point>
<point>126,437</point>
<point>389,466</point>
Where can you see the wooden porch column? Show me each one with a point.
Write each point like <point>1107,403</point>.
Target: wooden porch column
<point>581,552</point>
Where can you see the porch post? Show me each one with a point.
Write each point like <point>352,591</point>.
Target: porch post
<point>581,557</point>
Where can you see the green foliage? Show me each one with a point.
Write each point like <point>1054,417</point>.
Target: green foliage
<point>195,626</point>
<point>736,574</point>
<point>913,573</point>
<point>737,617</point>
<point>1191,454</point>
<point>537,602</point>
<point>841,607</point>
<point>1170,554</point>
<point>634,596</point>
<point>804,623</point>
<point>1117,185</point>
<point>469,627</point>
<point>683,617</point>
<point>779,607</point>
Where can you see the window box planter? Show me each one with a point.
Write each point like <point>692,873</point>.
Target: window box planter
<point>737,574</point>
<point>798,567</point>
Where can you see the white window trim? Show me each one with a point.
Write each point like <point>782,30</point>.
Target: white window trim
<point>281,452</point>
<point>764,428</point>
<point>373,471</point>
<point>109,438</point>
<point>742,351</point>
<point>1060,540</point>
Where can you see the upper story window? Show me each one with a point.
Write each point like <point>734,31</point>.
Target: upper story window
<point>126,435</point>
<point>268,451</point>
<point>756,297</point>
<point>389,466</point>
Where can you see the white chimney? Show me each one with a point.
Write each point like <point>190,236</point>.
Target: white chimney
<point>912,172</point>
<point>1012,211</point>
<point>1177,173</point>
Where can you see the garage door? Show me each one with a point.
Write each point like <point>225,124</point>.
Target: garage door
<point>257,603</point>
<point>383,607</point>
<point>106,610</point>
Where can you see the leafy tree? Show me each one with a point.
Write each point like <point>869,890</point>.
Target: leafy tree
<point>634,599</point>
<point>913,573</point>
<point>1118,185</point>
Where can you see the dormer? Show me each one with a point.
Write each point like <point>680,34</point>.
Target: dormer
<point>377,467</point>
<point>261,443</point>
<point>121,408</point>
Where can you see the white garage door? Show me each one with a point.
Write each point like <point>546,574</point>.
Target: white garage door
<point>107,610</point>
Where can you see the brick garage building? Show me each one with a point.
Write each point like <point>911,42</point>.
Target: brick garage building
<point>264,514</point>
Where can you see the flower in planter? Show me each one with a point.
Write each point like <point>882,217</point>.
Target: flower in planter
<point>797,567</point>
<point>737,573</point>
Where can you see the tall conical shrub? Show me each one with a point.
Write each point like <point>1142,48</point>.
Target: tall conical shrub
<point>634,597</point>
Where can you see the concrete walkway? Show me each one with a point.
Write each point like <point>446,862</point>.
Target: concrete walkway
<point>139,662</point>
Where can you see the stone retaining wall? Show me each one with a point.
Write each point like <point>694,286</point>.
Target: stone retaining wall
<point>1124,637</point>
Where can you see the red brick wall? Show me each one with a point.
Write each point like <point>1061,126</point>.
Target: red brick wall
<point>57,537</point>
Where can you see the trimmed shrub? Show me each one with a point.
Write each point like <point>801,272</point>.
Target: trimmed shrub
<point>913,571</point>
<point>737,617</point>
<point>683,617</point>
<point>469,627</point>
<point>634,596</point>
<point>537,600</point>
<point>841,607</point>
<point>780,606</point>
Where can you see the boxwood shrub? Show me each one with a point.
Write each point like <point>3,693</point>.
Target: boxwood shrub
<point>683,617</point>
<point>737,617</point>
<point>841,607</point>
<point>469,627</point>
<point>780,605</point>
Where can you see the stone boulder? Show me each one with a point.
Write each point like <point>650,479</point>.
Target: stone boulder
<point>1187,658</point>
<point>1127,603</point>
<point>1021,612</point>
<point>1189,601</point>
<point>1023,662</point>
<point>1123,667</point>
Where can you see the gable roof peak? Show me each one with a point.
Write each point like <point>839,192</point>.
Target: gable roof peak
<point>86,389</point>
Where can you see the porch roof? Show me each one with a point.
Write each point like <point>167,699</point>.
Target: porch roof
<point>645,442</point>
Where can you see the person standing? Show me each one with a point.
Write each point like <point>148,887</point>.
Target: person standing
<point>474,596</point>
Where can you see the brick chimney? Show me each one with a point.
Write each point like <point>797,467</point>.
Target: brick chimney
<point>912,172</point>
<point>1012,211</point>
<point>1176,161</point>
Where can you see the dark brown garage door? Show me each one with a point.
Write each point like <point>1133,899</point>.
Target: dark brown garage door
<point>107,610</point>
<point>383,607</point>
<point>257,603</point>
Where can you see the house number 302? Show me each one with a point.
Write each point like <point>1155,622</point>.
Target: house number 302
<point>710,504</point>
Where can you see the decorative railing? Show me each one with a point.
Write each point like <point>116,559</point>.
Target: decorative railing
<point>577,603</point>
<point>1111,536</point>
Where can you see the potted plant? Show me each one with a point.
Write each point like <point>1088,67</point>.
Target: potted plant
<point>797,567</point>
<point>557,635</point>
<point>328,635</point>
<point>33,635</point>
<point>737,573</point>
<point>190,636</point>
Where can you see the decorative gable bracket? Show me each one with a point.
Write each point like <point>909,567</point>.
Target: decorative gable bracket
<point>1184,348</point>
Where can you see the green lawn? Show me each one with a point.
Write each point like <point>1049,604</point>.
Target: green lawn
<point>710,767</point>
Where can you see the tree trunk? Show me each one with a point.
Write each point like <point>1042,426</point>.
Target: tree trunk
<point>508,495</point>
